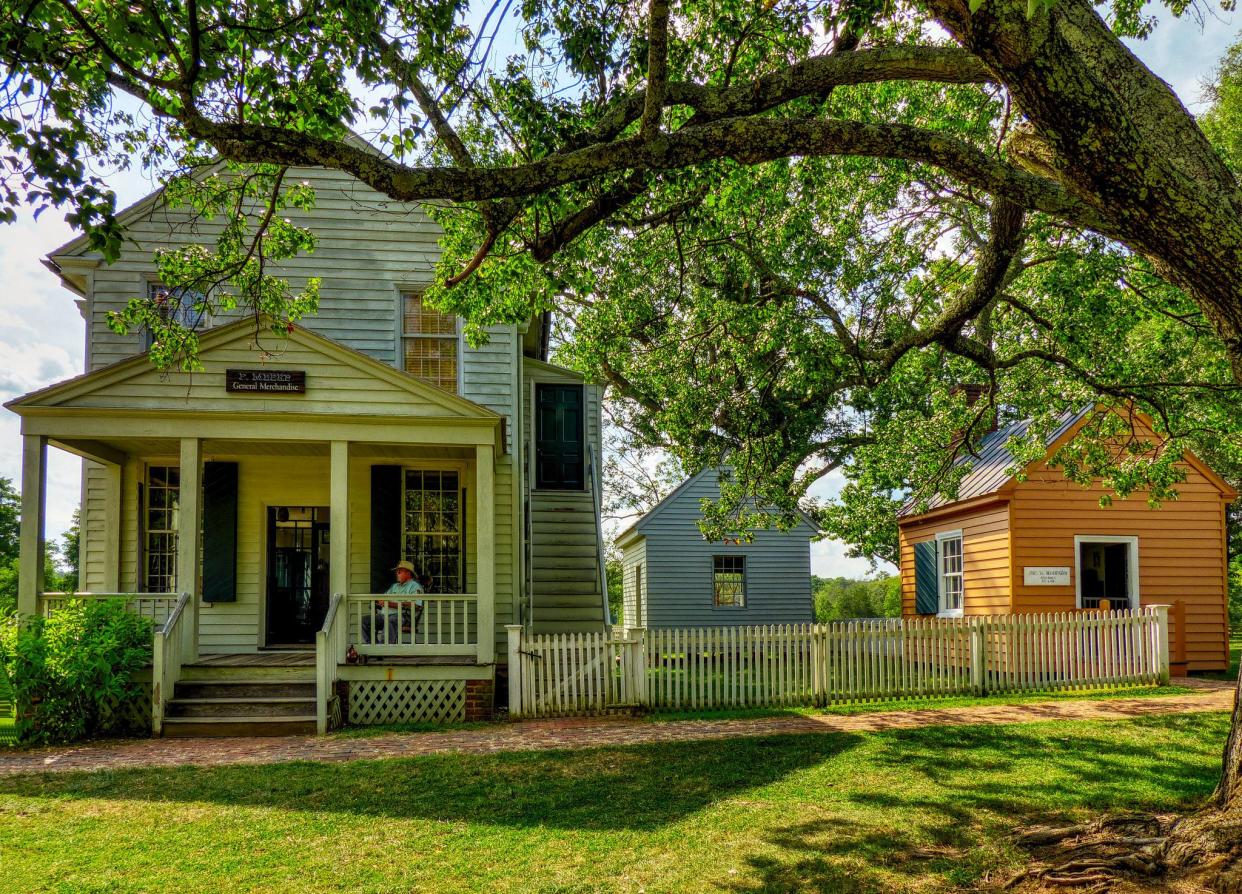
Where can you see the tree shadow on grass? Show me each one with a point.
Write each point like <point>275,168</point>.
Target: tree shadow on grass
<point>958,794</point>
<point>633,788</point>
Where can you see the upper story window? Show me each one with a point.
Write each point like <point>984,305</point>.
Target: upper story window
<point>950,566</point>
<point>428,342</point>
<point>176,305</point>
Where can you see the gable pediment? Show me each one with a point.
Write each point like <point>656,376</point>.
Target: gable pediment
<point>338,380</point>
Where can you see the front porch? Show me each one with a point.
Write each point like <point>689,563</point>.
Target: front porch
<point>258,531</point>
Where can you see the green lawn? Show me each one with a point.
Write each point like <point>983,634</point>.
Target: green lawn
<point>916,810</point>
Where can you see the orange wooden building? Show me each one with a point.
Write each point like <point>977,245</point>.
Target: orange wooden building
<point>1046,545</point>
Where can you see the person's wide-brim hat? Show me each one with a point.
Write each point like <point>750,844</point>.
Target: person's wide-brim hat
<point>408,566</point>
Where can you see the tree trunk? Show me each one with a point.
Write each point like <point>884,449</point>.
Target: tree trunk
<point>1121,141</point>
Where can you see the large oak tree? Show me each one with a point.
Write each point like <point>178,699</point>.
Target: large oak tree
<point>786,232</point>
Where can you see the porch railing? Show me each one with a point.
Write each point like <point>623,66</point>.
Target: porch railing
<point>156,606</point>
<point>166,657</point>
<point>426,624</point>
<point>330,647</point>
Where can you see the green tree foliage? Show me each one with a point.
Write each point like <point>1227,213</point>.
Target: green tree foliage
<point>783,233</point>
<point>616,587</point>
<point>68,671</point>
<point>839,598</point>
<point>67,555</point>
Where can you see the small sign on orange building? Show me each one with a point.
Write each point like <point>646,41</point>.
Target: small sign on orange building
<point>1046,576</point>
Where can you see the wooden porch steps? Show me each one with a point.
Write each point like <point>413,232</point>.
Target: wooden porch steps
<point>226,704</point>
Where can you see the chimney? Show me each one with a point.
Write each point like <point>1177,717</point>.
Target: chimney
<point>973,393</point>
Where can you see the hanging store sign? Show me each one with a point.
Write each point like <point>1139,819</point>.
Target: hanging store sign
<point>265,381</point>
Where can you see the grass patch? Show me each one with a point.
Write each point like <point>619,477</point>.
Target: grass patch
<point>922,810</point>
<point>917,704</point>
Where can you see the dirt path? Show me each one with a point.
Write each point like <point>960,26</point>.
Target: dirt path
<point>583,733</point>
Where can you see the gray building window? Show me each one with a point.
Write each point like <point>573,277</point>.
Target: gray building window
<point>729,581</point>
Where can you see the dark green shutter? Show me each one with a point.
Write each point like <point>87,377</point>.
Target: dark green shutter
<point>220,532</point>
<point>386,487</point>
<point>926,586</point>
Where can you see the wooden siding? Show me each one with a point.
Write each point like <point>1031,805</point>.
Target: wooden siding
<point>332,385</point>
<point>1180,547</point>
<point>678,573</point>
<point>93,557</point>
<point>633,557</point>
<point>369,247</point>
<point>985,557</point>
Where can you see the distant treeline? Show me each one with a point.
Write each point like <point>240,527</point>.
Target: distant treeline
<point>837,598</point>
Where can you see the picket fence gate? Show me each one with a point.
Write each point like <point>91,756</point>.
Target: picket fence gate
<point>676,669</point>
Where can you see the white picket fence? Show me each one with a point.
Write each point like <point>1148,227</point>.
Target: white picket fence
<point>842,662</point>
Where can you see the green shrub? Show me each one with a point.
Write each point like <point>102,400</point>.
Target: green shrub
<point>68,672</point>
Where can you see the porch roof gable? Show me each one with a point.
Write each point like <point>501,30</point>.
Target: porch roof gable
<point>339,380</point>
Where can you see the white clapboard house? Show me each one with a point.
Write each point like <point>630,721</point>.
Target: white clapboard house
<point>255,508</point>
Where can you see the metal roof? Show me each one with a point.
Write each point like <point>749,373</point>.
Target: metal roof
<point>989,466</point>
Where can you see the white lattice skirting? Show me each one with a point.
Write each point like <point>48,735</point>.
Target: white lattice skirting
<point>374,702</point>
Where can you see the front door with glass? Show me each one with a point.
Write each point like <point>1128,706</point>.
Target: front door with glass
<point>297,573</point>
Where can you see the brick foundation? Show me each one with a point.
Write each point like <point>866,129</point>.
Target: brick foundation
<point>480,699</point>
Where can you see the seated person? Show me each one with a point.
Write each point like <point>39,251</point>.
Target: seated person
<point>389,612</point>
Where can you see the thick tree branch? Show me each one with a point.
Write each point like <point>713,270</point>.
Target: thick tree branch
<point>749,141</point>
<point>657,67</point>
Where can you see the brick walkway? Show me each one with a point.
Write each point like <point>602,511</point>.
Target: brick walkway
<point>583,733</point>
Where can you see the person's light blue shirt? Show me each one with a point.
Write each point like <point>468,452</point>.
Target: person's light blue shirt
<point>409,588</point>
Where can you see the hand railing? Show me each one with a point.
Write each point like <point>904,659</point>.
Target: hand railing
<point>414,624</point>
<point>597,500</point>
<point>330,646</point>
<point>168,649</point>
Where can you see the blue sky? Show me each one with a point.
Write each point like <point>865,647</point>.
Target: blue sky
<point>42,335</point>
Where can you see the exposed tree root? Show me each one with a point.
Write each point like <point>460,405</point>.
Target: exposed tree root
<point>1136,854</point>
<point>1093,857</point>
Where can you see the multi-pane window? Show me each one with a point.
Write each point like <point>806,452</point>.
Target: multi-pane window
<point>177,305</point>
<point>160,521</point>
<point>433,528</point>
<point>949,559</point>
<point>429,343</point>
<point>729,581</point>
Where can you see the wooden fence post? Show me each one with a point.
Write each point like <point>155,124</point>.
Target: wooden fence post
<point>638,665</point>
<point>1162,643</point>
<point>515,669</point>
<point>818,684</point>
<point>978,655</point>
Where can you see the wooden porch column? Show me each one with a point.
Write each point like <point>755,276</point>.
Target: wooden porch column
<point>189,539</point>
<point>338,511</point>
<point>112,528</point>
<point>34,504</point>
<point>485,557</point>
